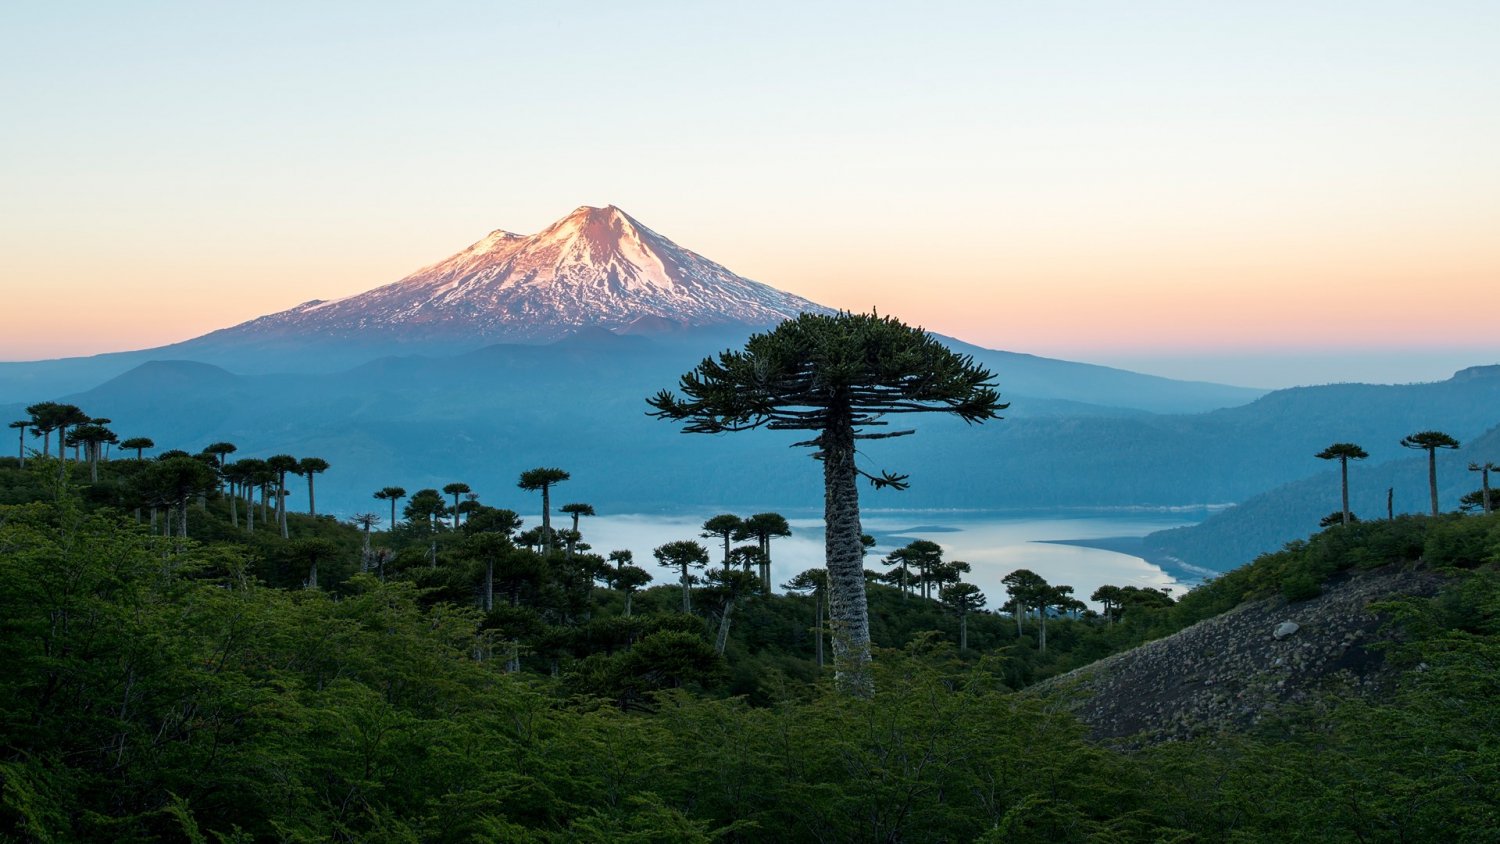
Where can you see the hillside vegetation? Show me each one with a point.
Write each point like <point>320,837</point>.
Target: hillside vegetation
<point>169,689</point>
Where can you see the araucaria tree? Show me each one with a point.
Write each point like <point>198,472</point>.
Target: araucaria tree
<point>1343,453</point>
<point>1484,490</point>
<point>391,494</point>
<point>835,376</point>
<point>543,478</point>
<point>683,555</point>
<point>1430,441</point>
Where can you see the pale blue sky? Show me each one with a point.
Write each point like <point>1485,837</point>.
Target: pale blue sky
<point>1145,183</point>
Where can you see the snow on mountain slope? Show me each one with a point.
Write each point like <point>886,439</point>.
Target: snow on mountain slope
<point>595,267</point>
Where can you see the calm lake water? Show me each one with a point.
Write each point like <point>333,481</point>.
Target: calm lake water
<point>995,544</point>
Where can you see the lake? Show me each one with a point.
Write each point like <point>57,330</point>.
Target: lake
<point>994,543</point>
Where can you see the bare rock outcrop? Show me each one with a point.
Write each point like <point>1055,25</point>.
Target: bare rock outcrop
<point>1236,669</point>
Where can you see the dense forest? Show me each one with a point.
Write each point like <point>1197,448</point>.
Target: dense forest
<point>176,672</point>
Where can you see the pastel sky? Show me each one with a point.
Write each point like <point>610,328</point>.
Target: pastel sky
<point>1263,193</point>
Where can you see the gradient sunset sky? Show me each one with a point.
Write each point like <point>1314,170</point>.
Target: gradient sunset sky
<point>1259,193</point>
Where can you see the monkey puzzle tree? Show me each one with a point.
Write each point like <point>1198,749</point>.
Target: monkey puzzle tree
<point>629,579</point>
<point>1343,453</point>
<point>22,424</point>
<point>730,588</point>
<point>140,444</point>
<point>219,450</point>
<point>761,527</point>
<point>576,510</point>
<point>43,421</point>
<point>683,555</point>
<point>834,375</point>
<point>723,527</point>
<point>365,522</point>
<point>814,581</point>
<point>456,489</point>
<point>1109,597</point>
<point>1484,488</point>
<point>391,494</point>
<point>1026,589</point>
<point>962,599</point>
<point>1430,441</point>
<point>308,467</point>
<point>281,464</point>
<point>542,479</point>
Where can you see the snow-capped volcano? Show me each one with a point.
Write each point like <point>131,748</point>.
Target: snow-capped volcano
<point>595,267</point>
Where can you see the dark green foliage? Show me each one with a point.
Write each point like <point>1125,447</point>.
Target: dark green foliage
<point>159,689</point>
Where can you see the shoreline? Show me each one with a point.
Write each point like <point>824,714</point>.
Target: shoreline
<point>1135,546</point>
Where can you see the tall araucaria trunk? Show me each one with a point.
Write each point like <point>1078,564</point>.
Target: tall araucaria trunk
<point>1344,470</point>
<point>489,584</point>
<point>1432,477</point>
<point>546,519</point>
<point>687,595</point>
<point>312,509</point>
<point>844,555</point>
<point>723,638</point>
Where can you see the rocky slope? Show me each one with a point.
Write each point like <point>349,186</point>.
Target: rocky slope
<point>1233,671</point>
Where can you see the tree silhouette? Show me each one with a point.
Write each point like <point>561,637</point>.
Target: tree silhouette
<point>730,587</point>
<point>1430,441</point>
<point>488,547</point>
<point>816,582</point>
<point>1484,488</point>
<point>365,522</point>
<point>962,599</point>
<point>835,376</point>
<point>426,507</point>
<point>683,555</point>
<point>22,424</point>
<point>391,494</point>
<point>1111,598</point>
<point>1343,453</point>
<point>308,467</point>
<point>629,579</point>
<point>255,475</point>
<point>761,527</point>
<point>220,451</point>
<point>543,478</point>
<point>1026,589</point>
<point>576,510</point>
<point>44,416</point>
<point>723,527</point>
<point>456,489</point>
<point>281,464</point>
<point>140,444</point>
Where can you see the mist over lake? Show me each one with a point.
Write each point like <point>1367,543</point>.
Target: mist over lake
<point>995,543</point>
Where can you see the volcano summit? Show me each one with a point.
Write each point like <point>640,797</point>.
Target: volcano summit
<point>596,267</point>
